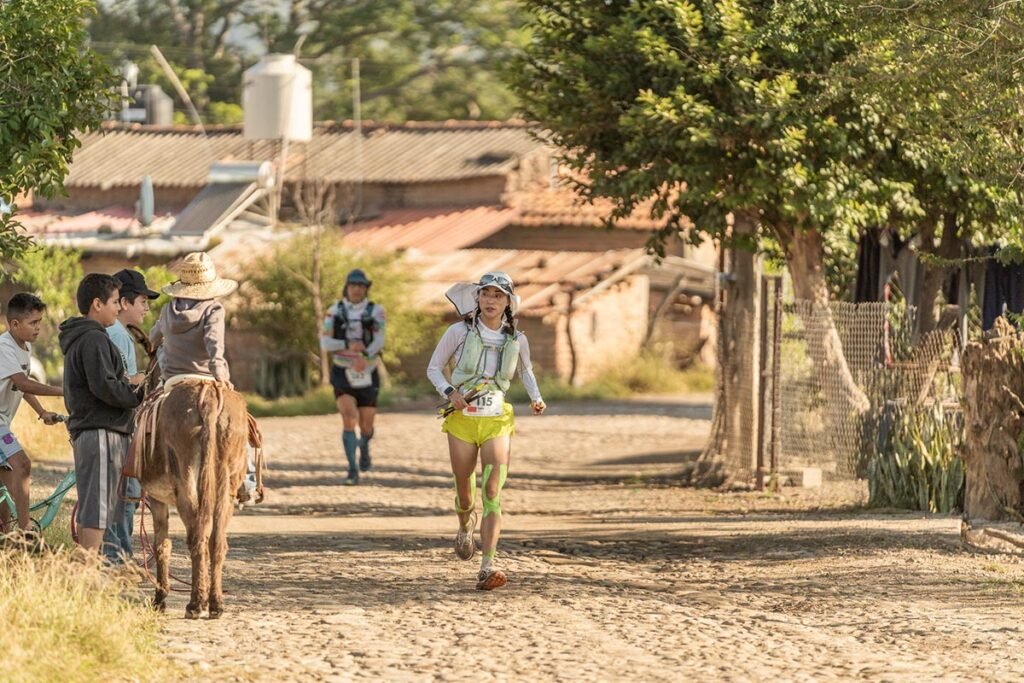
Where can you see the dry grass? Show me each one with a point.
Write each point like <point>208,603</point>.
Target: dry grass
<point>66,619</point>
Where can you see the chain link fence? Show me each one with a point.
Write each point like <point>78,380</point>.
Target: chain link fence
<point>820,412</point>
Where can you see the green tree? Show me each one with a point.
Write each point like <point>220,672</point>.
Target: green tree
<point>419,60</point>
<point>279,303</point>
<point>51,90</point>
<point>714,110</point>
<point>945,90</point>
<point>807,120</point>
<point>797,123</point>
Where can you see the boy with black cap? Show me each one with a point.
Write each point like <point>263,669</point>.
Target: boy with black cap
<point>135,297</point>
<point>353,331</point>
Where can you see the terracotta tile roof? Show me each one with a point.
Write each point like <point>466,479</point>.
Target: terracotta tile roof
<point>431,230</point>
<point>539,275</point>
<point>108,220</point>
<point>562,206</point>
<point>180,156</point>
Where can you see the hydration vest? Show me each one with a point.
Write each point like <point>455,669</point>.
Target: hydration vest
<point>469,368</point>
<point>341,323</point>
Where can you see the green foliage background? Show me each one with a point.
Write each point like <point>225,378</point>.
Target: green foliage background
<point>52,88</point>
<point>418,60</point>
<point>279,305</point>
<point>53,275</point>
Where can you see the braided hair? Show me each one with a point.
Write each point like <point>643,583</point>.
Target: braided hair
<point>510,321</point>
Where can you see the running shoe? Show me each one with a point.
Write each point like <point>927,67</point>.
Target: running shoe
<point>364,459</point>
<point>489,579</point>
<point>465,547</point>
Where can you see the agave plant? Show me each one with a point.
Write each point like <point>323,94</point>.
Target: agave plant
<point>916,464</point>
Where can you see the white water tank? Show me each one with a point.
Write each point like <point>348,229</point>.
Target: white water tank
<point>277,96</point>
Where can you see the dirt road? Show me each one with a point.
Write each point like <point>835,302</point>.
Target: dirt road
<point>615,574</point>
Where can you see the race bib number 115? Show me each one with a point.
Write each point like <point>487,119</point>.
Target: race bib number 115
<point>491,404</point>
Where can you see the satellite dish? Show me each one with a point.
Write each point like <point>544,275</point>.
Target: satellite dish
<point>146,201</point>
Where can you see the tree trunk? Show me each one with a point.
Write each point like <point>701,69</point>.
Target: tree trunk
<point>993,377</point>
<point>741,375</point>
<point>708,470</point>
<point>805,254</point>
<point>318,301</point>
<point>935,273</point>
<point>315,202</point>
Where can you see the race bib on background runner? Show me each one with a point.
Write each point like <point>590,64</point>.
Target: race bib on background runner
<point>359,380</point>
<point>491,404</point>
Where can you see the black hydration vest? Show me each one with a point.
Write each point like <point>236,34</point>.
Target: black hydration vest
<point>341,323</point>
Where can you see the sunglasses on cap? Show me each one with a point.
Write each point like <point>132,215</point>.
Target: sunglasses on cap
<point>496,280</point>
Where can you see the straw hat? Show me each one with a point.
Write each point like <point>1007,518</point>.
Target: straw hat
<point>197,279</point>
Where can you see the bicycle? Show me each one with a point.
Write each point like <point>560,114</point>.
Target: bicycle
<point>50,506</point>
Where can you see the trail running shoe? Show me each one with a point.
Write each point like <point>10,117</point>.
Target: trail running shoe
<point>465,547</point>
<point>364,459</point>
<point>489,579</point>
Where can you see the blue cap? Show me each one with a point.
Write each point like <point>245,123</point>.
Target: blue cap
<point>357,277</point>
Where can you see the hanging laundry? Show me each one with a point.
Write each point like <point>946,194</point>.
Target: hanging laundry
<point>1004,291</point>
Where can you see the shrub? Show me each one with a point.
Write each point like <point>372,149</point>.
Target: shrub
<point>916,463</point>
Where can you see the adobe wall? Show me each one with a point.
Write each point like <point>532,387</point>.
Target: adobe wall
<point>603,332</point>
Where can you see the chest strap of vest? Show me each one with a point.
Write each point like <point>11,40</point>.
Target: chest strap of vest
<point>341,323</point>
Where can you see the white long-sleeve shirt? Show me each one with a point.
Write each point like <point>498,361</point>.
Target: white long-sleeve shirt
<point>451,344</point>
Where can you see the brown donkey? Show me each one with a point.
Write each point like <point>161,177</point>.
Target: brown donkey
<point>196,463</point>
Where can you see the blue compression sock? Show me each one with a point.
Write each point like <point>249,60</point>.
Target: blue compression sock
<point>350,442</point>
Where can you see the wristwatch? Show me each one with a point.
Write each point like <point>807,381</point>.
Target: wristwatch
<point>448,391</point>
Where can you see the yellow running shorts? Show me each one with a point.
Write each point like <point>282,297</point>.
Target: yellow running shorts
<point>478,430</point>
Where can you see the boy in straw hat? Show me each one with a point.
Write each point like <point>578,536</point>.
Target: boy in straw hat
<point>191,325</point>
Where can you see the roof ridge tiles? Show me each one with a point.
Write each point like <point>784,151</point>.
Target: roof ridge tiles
<point>328,126</point>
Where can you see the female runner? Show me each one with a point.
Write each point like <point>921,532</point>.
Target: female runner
<point>487,349</point>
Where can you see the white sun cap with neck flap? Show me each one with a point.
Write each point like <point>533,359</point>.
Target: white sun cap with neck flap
<point>463,295</point>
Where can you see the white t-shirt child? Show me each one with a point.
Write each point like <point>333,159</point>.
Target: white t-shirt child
<point>14,358</point>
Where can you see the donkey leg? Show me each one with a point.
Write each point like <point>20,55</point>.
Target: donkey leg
<point>162,550</point>
<point>219,547</point>
<point>199,554</point>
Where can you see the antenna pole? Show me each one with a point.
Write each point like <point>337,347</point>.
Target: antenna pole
<point>173,77</point>
<point>357,115</point>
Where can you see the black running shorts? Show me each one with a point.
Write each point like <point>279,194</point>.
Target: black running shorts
<point>366,397</point>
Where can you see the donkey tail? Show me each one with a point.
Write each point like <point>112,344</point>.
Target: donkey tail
<point>210,408</point>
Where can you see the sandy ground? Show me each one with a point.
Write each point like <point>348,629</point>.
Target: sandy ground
<point>615,572</point>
